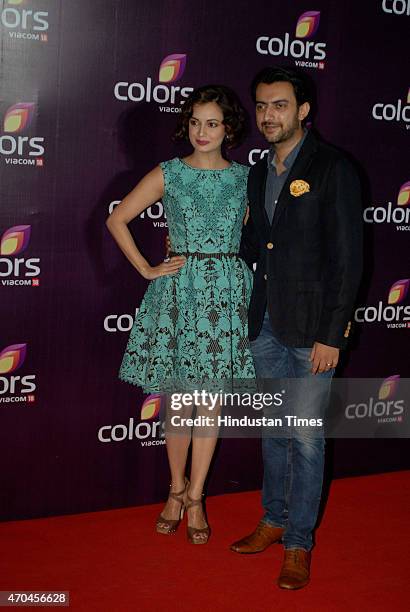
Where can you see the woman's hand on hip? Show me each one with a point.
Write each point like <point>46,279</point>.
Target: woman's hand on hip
<point>166,268</point>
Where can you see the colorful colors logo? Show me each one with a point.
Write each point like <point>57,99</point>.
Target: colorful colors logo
<point>18,117</point>
<point>398,214</point>
<point>12,357</point>
<point>388,387</point>
<point>397,111</point>
<point>172,68</point>
<point>165,92</point>
<point>15,240</point>
<point>404,194</point>
<point>383,408</point>
<point>307,53</point>
<point>307,24</point>
<point>23,24</point>
<point>398,291</point>
<point>151,407</point>
<point>17,270</point>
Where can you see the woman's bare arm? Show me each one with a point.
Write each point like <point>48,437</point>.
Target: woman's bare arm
<point>148,191</point>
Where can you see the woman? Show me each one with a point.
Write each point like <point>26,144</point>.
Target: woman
<point>191,328</point>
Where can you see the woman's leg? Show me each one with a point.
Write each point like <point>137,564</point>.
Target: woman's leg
<point>178,441</point>
<point>203,446</point>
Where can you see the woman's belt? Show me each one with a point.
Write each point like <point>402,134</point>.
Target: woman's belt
<point>199,255</point>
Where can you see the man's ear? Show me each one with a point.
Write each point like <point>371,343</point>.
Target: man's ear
<point>303,111</point>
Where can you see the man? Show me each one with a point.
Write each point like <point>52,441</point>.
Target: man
<point>304,233</point>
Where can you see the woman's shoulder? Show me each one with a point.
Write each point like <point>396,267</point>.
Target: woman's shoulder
<point>169,163</point>
<point>240,169</point>
<point>171,168</point>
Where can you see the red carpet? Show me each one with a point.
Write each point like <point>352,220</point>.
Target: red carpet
<point>114,560</point>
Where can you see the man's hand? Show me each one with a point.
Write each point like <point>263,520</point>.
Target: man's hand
<point>323,358</point>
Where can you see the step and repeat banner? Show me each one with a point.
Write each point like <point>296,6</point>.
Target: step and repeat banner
<point>90,95</point>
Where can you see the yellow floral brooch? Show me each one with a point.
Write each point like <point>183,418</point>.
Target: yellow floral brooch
<point>299,187</point>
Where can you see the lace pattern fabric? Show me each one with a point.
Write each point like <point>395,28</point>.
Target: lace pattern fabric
<point>191,328</point>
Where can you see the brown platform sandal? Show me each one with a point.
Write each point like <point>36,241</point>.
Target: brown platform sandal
<point>193,532</point>
<point>169,526</point>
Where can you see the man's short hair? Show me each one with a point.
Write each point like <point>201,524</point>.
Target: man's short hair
<point>302,84</point>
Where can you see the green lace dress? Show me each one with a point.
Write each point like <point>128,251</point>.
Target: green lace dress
<point>191,329</point>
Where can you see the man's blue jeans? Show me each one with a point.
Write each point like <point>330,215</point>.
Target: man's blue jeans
<point>294,462</point>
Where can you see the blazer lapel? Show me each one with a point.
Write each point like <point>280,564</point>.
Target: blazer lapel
<point>298,171</point>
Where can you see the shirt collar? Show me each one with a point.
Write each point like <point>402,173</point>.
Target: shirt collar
<point>290,158</point>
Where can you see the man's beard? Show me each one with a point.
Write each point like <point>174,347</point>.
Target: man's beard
<point>284,134</point>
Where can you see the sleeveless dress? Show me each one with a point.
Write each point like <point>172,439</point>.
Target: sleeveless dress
<point>191,328</point>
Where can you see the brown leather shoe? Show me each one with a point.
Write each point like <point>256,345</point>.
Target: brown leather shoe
<point>295,570</point>
<point>263,536</point>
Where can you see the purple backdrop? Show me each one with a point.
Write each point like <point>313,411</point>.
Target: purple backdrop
<point>85,114</point>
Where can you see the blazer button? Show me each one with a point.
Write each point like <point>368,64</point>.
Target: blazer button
<point>269,245</point>
<point>265,276</point>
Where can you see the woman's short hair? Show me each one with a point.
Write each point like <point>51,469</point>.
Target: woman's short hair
<point>235,117</point>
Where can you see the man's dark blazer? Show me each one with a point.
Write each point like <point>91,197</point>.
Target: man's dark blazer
<point>309,260</point>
